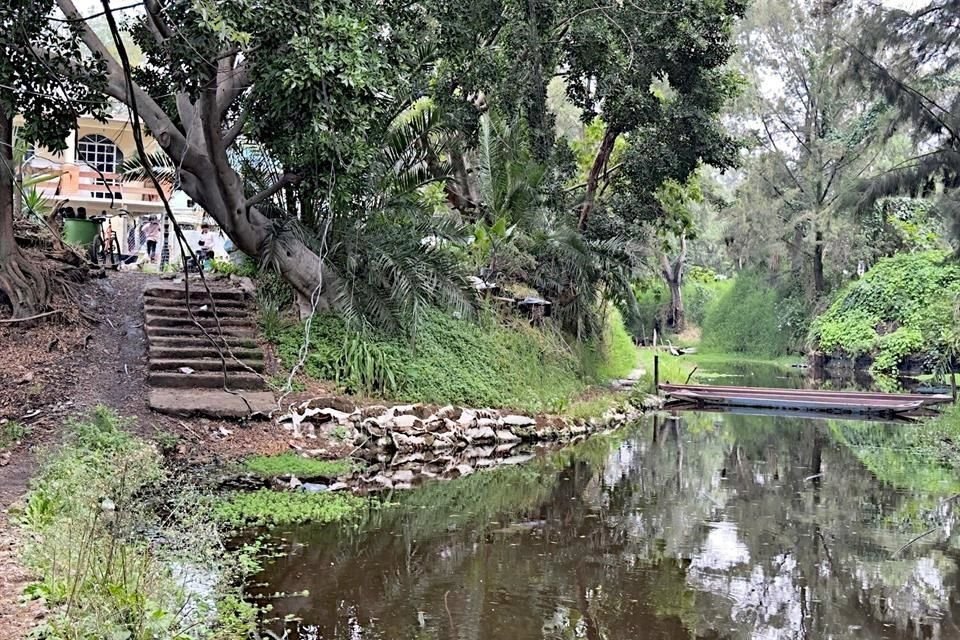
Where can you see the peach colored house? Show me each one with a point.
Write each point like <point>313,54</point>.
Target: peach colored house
<point>88,178</point>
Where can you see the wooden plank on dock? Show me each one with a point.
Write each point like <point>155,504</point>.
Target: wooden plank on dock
<point>855,402</point>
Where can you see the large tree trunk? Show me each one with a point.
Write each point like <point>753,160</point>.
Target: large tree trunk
<point>673,275</point>
<point>206,175</point>
<point>460,189</point>
<point>819,284</point>
<point>593,178</point>
<point>23,283</point>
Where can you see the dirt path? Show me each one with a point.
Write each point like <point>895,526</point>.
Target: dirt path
<point>51,373</point>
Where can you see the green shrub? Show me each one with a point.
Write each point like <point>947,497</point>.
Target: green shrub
<point>12,432</point>
<point>652,299</point>
<point>490,362</point>
<point>292,464</point>
<point>701,290</point>
<point>700,297</point>
<point>749,318</point>
<point>903,306</point>
<point>245,267</point>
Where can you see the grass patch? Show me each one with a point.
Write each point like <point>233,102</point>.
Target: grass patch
<point>108,564</point>
<point>595,406</point>
<point>275,508</point>
<point>11,433</point>
<point>614,356</point>
<point>292,464</point>
<point>491,362</point>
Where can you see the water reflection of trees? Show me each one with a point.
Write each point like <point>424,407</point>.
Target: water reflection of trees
<point>710,526</point>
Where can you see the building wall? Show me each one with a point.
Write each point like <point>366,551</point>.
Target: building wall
<point>78,185</point>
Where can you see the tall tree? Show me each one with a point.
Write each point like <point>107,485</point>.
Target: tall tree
<point>912,58</point>
<point>44,79</point>
<point>818,135</point>
<point>656,72</point>
<point>219,70</point>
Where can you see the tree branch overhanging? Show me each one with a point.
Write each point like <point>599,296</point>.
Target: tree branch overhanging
<point>287,179</point>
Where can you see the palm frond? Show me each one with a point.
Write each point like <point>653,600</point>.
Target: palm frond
<point>135,168</point>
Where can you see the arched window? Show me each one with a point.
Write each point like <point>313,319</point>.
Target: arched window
<point>101,154</point>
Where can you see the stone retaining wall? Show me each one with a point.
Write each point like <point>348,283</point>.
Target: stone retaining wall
<point>416,427</point>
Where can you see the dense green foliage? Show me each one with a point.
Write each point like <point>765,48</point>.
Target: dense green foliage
<point>485,363</point>
<point>273,508</point>
<point>299,466</point>
<point>86,518</point>
<point>903,306</point>
<point>701,292</point>
<point>752,317</point>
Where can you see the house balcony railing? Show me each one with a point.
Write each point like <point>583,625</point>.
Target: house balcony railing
<point>82,182</point>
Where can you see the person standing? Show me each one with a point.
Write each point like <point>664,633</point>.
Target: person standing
<point>205,254</point>
<point>152,234</point>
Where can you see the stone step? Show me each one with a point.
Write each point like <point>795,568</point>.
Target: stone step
<point>185,321</point>
<point>189,330</point>
<point>239,380</point>
<point>205,364</point>
<point>201,342</point>
<point>199,310</point>
<point>198,292</point>
<point>207,351</point>
<point>195,301</point>
<point>211,403</point>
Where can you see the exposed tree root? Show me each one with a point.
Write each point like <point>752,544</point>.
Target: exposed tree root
<point>35,281</point>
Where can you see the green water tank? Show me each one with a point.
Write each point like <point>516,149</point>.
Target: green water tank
<point>80,232</point>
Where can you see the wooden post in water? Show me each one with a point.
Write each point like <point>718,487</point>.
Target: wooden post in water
<point>656,374</point>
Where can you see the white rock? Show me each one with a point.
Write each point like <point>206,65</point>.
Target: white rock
<point>341,417</point>
<point>404,409</point>
<point>446,411</point>
<point>406,422</point>
<point>339,486</point>
<point>489,423</point>
<point>518,421</point>
<point>403,475</point>
<point>383,481</point>
<point>504,435</point>
<point>467,418</point>
<point>464,469</point>
<point>481,434</point>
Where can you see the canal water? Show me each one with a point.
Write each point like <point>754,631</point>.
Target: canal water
<point>700,525</point>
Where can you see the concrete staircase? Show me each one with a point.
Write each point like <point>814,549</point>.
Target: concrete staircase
<point>186,374</point>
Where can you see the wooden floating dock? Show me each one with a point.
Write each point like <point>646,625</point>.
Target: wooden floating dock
<point>847,402</point>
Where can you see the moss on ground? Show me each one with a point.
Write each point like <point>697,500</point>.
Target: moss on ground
<point>293,464</point>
